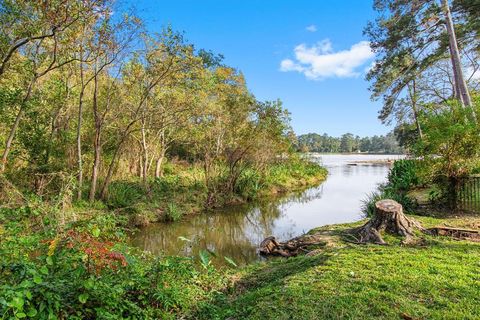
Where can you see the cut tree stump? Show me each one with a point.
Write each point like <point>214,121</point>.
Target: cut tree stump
<point>388,218</point>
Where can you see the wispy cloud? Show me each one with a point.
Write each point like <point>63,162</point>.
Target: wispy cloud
<point>320,61</point>
<point>311,28</point>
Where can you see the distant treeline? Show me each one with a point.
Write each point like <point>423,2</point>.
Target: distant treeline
<point>313,142</point>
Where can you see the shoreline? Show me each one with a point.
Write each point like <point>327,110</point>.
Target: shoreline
<point>274,192</point>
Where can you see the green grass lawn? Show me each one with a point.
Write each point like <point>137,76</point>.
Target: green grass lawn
<point>437,278</point>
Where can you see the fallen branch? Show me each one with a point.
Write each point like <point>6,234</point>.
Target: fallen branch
<point>292,247</point>
<point>463,234</point>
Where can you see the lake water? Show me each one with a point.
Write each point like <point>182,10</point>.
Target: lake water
<point>237,231</point>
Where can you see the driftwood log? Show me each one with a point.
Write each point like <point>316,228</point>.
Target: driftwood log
<point>292,247</point>
<point>388,218</point>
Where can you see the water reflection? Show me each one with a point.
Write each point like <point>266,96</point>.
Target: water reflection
<point>236,231</point>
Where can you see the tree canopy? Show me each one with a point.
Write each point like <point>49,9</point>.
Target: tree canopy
<point>87,93</point>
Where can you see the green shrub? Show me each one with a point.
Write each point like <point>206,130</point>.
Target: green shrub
<point>386,192</point>
<point>62,286</point>
<point>403,175</point>
<point>249,184</point>
<point>122,194</point>
<point>172,212</point>
<point>83,272</point>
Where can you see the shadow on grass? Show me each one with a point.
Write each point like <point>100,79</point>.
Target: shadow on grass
<point>238,300</point>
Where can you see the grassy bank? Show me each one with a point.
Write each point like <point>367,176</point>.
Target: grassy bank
<point>436,278</point>
<point>182,191</point>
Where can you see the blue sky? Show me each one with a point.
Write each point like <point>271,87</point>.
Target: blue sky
<point>309,54</point>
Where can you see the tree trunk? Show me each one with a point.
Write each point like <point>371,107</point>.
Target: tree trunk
<point>13,130</point>
<point>111,166</point>
<point>144,155</point>
<point>96,143</point>
<point>79,129</point>
<point>108,178</point>
<point>96,164</point>
<point>158,166</point>
<point>388,217</point>
<point>413,98</point>
<point>79,144</point>
<point>460,83</point>
<point>161,157</point>
<point>452,192</point>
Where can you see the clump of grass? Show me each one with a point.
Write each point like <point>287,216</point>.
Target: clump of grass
<point>172,212</point>
<point>386,192</point>
<point>249,184</point>
<point>122,194</point>
<point>404,174</point>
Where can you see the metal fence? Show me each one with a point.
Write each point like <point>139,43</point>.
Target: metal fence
<point>469,197</point>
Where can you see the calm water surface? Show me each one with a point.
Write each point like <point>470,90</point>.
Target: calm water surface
<point>236,231</point>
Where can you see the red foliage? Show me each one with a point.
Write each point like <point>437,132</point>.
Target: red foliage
<point>99,253</point>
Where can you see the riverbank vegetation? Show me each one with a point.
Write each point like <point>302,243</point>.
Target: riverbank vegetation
<point>181,190</point>
<point>74,262</point>
<point>96,110</point>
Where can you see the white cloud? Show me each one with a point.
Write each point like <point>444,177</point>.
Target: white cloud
<point>320,61</point>
<point>311,28</point>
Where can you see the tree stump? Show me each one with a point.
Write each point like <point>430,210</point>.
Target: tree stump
<point>388,217</point>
